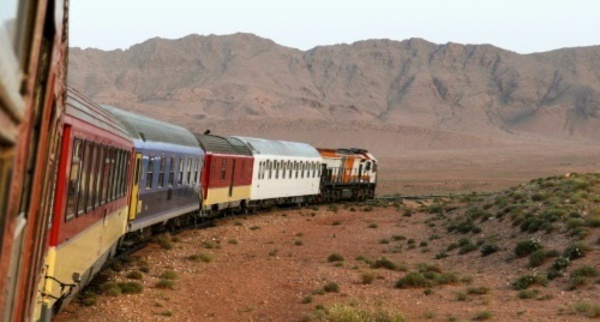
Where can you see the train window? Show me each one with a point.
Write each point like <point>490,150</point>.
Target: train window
<point>276,169</point>
<point>189,172</point>
<point>260,170</point>
<point>161,171</point>
<point>74,175</point>
<point>171,171</point>
<point>92,178</point>
<point>180,171</point>
<point>296,168</point>
<point>117,174</point>
<point>83,178</point>
<point>270,168</point>
<point>127,166</point>
<point>314,169</point>
<point>106,175</point>
<point>150,173</point>
<point>223,169</point>
<point>283,169</point>
<point>196,165</point>
<point>99,167</point>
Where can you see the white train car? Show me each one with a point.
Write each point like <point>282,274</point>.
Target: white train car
<point>283,172</point>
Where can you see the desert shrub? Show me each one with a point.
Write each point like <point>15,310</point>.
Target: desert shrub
<point>232,241</point>
<point>537,258</point>
<point>298,242</point>
<point>333,207</point>
<point>372,225</point>
<point>586,271</point>
<point>384,241</point>
<point>591,311</point>
<point>307,299</point>
<point>467,249</point>
<point>336,223</point>
<point>478,290</point>
<point>424,267</point>
<point>576,281</point>
<point>575,251</point>
<point>135,275</point>
<point>527,247</point>
<point>527,294</point>
<point>367,277</point>
<point>274,252</point>
<point>331,287</point>
<point>489,249</point>
<point>452,246</point>
<point>164,241</point>
<point>441,255</point>
<point>201,257</point>
<point>482,315</point>
<point>593,220</point>
<point>560,263</point>
<point>165,284</point>
<point>383,262</point>
<point>110,289</point>
<point>169,275</point>
<point>526,281</point>
<point>347,313</point>
<point>464,241</point>
<point>335,257</point>
<point>131,287</point>
<point>413,280</point>
<point>209,244</point>
<point>398,237</point>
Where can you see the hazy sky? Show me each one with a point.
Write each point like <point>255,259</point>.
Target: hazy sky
<point>523,26</point>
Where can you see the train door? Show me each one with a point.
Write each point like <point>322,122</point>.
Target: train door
<point>133,208</point>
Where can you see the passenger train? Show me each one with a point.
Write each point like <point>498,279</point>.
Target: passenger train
<point>123,177</point>
<point>79,181</point>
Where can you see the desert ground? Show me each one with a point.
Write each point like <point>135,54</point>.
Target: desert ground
<point>277,265</point>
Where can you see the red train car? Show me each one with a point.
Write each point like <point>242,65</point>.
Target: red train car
<point>91,203</point>
<point>33,48</point>
<point>227,173</point>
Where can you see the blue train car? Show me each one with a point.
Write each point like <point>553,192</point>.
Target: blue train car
<point>167,169</point>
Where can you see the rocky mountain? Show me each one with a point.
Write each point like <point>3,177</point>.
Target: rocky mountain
<point>374,93</point>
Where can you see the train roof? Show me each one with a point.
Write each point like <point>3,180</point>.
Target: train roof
<point>151,130</point>
<point>280,148</point>
<point>82,108</point>
<point>223,145</point>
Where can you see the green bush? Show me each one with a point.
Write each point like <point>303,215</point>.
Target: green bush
<point>169,275</point>
<point>335,257</point>
<point>165,284</point>
<point>331,287</point>
<point>413,280</point>
<point>526,281</point>
<point>135,275</point>
<point>576,251</point>
<point>527,247</point>
<point>383,262</point>
<point>488,249</point>
<point>527,294</point>
<point>131,287</point>
<point>537,258</point>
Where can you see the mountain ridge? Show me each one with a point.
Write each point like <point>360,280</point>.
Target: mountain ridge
<point>475,90</point>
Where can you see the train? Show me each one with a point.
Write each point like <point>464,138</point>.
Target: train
<point>79,181</point>
<point>123,177</point>
<point>33,52</point>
